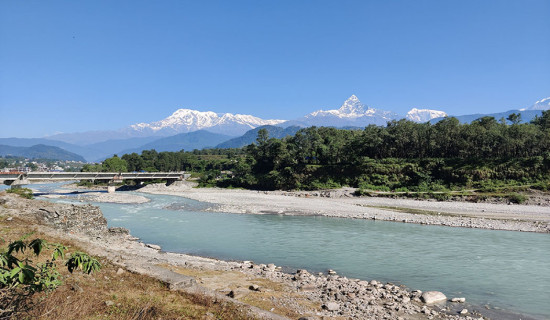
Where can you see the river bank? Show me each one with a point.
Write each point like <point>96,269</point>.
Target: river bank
<point>298,295</point>
<point>343,204</point>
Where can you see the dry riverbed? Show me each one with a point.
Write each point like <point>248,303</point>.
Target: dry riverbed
<point>343,204</point>
<point>263,290</point>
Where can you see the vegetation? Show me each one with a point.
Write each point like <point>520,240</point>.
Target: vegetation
<point>23,192</point>
<point>402,156</point>
<point>21,277</point>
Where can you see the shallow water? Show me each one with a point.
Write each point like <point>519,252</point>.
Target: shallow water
<point>502,269</point>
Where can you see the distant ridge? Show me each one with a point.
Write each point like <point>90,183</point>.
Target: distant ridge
<point>250,136</point>
<point>184,141</point>
<point>526,116</point>
<point>40,151</point>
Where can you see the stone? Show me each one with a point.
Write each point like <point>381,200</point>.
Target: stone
<point>331,306</point>
<point>153,246</point>
<point>430,297</point>
<point>254,287</point>
<point>331,272</point>
<point>464,311</point>
<point>109,303</point>
<point>119,230</point>
<point>308,287</point>
<point>237,293</point>
<point>459,300</point>
<point>271,267</point>
<point>120,271</point>
<point>76,287</point>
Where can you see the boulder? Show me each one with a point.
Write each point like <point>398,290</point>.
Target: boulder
<point>153,246</point>
<point>459,300</point>
<point>331,306</point>
<point>429,297</point>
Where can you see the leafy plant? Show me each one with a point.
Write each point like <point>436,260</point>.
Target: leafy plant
<point>20,277</point>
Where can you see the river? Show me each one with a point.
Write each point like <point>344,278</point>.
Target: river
<point>502,270</point>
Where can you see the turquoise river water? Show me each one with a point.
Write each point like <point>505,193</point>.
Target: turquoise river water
<point>500,269</point>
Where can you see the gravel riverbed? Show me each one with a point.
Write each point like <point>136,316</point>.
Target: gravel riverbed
<point>342,204</point>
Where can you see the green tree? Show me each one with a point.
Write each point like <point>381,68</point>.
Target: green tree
<point>115,164</point>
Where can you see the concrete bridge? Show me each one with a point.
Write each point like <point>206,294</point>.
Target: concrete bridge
<point>18,179</point>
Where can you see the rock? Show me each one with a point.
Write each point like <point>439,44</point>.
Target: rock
<point>271,267</point>
<point>302,274</point>
<point>464,311</point>
<point>308,287</point>
<point>331,272</point>
<point>9,219</point>
<point>237,293</point>
<point>153,246</point>
<point>429,297</point>
<point>254,287</point>
<point>459,300</point>
<point>109,303</point>
<point>119,230</point>
<point>331,306</point>
<point>76,287</point>
<point>120,271</point>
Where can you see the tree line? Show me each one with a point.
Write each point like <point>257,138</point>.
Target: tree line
<point>401,155</point>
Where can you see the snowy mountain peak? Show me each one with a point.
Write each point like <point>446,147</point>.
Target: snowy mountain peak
<point>352,106</point>
<point>543,104</point>
<point>424,115</point>
<point>187,120</point>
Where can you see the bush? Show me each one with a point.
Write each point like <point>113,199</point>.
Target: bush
<point>441,196</point>
<point>517,198</point>
<point>20,277</point>
<point>23,192</point>
<point>542,186</point>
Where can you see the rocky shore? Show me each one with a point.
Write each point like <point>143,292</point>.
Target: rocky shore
<point>343,204</point>
<point>321,296</point>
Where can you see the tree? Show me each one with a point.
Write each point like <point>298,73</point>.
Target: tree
<point>514,118</point>
<point>543,121</point>
<point>115,164</point>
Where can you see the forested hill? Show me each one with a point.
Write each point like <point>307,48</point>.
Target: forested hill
<point>40,151</point>
<point>401,155</point>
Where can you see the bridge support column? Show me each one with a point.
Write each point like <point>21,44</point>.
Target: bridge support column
<point>111,186</point>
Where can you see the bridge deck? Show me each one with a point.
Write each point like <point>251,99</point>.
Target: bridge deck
<point>66,176</point>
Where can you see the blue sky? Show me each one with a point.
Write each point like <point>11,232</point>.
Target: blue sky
<point>68,66</point>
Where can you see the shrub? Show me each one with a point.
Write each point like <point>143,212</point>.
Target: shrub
<point>23,192</point>
<point>517,198</point>
<point>20,277</point>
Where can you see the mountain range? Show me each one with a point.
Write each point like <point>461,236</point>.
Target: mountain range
<point>40,151</point>
<point>191,129</point>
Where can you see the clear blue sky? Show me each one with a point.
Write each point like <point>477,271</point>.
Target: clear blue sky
<point>68,66</point>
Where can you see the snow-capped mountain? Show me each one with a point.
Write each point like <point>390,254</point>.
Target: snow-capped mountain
<point>351,113</point>
<point>187,120</point>
<point>543,104</point>
<point>424,115</point>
